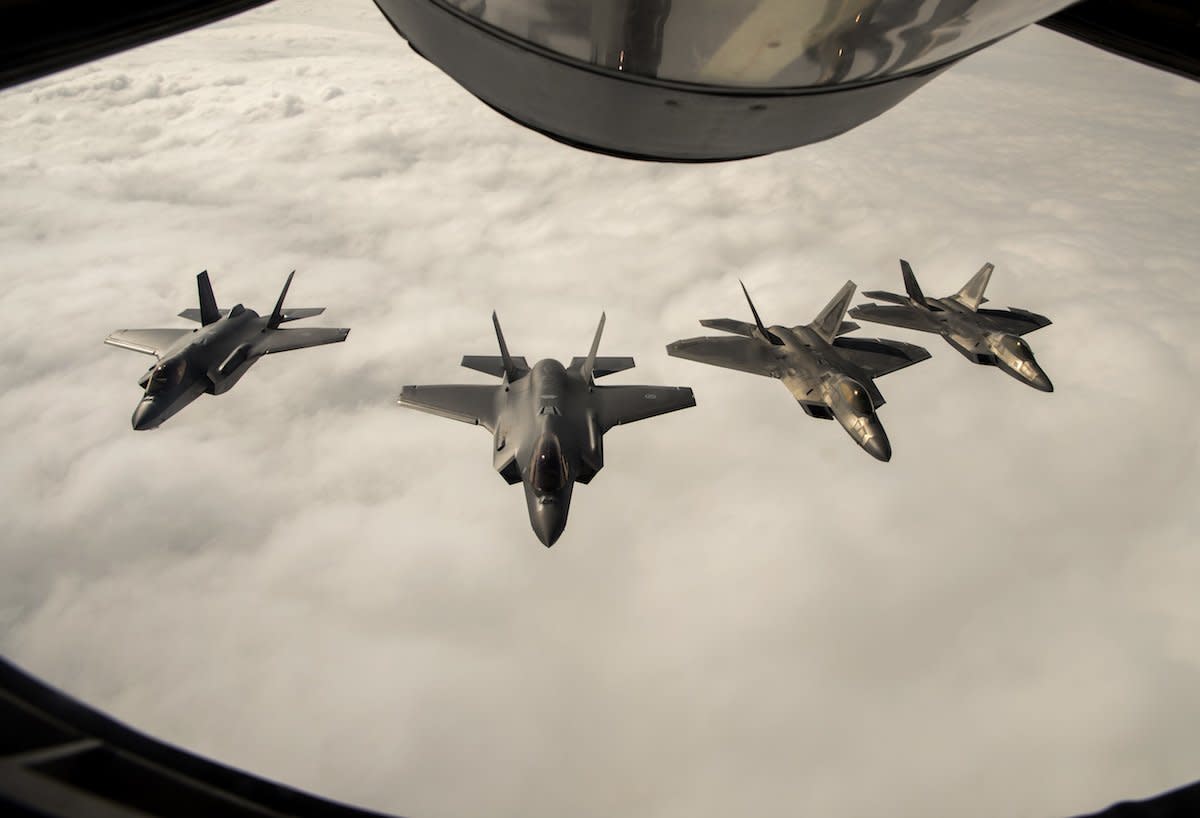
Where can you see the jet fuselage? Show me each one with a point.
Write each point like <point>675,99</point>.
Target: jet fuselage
<point>547,433</point>
<point>211,359</point>
<point>981,340</point>
<point>547,420</point>
<point>827,385</point>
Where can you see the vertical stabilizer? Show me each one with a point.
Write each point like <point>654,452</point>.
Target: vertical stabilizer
<point>590,363</point>
<point>766,334</point>
<point>829,320</point>
<point>277,314</point>
<point>510,368</point>
<point>971,294</point>
<point>911,286</point>
<point>208,303</point>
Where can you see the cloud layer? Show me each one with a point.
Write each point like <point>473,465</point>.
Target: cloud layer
<point>747,614</point>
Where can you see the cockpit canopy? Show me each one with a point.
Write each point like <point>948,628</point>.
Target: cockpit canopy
<point>548,471</point>
<point>1015,346</point>
<point>167,375</point>
<point>855,395</point>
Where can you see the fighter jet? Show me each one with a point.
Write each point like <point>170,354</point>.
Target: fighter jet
<point>215,356</point>
<point>983,336</point>
<point>548,421</point>
<point>831,377</point>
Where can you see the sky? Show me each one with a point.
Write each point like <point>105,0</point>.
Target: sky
<point>747,613</point>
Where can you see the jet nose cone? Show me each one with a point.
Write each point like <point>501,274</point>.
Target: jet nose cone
<point>875,440</point>
<point>145,416</point>
<point>879,448</point>
<point>549,522</point>
<point>1040,382</point>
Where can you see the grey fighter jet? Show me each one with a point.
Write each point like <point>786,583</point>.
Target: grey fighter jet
<point>831,377</point>
<point>984,336</point>
<point>213,357</point>
<point>548,421</point>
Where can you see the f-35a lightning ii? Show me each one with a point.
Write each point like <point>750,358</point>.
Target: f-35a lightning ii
<point>831,377</point>
<point>984,336</point>
<point>548,421</point>
<point>215,356</point>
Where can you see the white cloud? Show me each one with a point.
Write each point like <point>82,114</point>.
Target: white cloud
<point>746,613</point>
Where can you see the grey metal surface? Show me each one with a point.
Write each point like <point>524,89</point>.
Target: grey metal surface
<point>212,358</point>
<point>759,43</point>
<point>547,421</point>
<point>984,336</point>
<point>831,377</point>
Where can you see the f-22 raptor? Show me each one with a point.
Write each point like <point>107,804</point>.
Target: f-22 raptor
<point>831,377</point>
<point>984,336</point>
<point>548,421</point>
<point>213,357</point>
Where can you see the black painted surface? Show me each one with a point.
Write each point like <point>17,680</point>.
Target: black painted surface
<point>34,718</point>
<point>1161,33</point>
<point>38,37</point>
<point>77,758</point>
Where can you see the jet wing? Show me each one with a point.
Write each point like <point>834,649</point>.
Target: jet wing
<point>468,403</point>
<point>744,354</point>
<point>1014,320</point>
<point>878,357</point>
<point>906,317</point>
<point>149,341</point>
<point>282,340</point>
<point>626,404</point>
<point>604,364</point>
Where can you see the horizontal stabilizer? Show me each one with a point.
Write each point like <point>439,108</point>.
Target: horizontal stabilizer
<point>891,298</point>
<point>296,313</point>
<point>605,364</point>
<point>193,314</point>
<point>493,364</point>
<point>847,326</point>
<point>729,325</point>
<point>906,316</point>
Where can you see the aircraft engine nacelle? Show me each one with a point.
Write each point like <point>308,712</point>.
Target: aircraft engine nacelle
<point>230,371</point>
<point>592,457</point>
<point>698,81</point>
